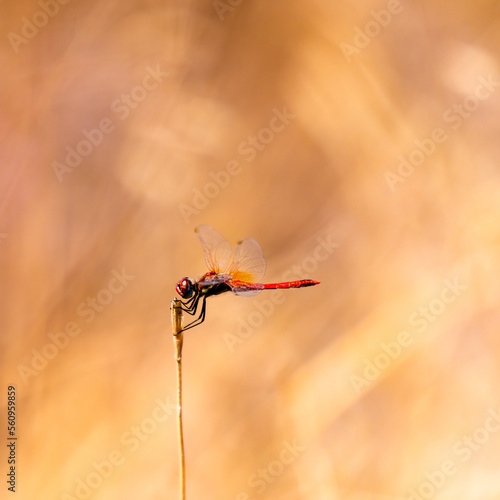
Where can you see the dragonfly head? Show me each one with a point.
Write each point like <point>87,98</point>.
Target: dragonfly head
<point>185,288</point>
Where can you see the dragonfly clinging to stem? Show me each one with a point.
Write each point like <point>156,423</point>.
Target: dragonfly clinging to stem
<point>227,272</point>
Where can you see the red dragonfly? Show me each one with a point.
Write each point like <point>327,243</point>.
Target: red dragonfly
<point>228,272</point>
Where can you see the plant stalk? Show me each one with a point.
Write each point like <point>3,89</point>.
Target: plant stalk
<point>178,340</point>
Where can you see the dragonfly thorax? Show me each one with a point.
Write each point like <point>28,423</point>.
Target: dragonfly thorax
<point>185,288</point>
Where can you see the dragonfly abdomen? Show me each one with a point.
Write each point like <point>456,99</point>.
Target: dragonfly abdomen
<point>292,284</point>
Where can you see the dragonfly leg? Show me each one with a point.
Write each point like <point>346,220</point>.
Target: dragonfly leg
<point>191,305</point>
<point>199,320</point>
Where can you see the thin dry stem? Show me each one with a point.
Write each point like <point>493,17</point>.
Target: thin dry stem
<point>178,339</point>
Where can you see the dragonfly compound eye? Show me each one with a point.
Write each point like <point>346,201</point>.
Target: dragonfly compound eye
<point>185,288</point>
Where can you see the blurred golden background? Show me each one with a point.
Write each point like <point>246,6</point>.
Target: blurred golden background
<point>357,143</point>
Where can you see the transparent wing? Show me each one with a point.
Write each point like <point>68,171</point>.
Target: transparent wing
<point>214,279</point>
<point>245,289</point>
<point>216,248</point>
<point>248,262</point>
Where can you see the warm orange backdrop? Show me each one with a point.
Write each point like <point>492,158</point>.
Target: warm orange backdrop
<point>358,143</point>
